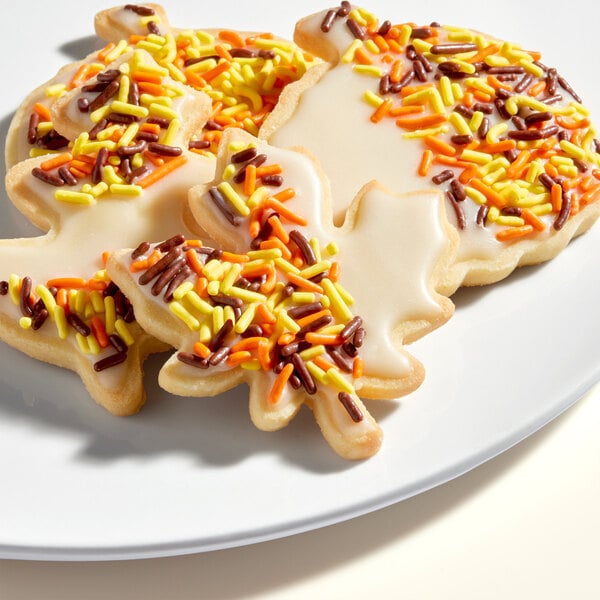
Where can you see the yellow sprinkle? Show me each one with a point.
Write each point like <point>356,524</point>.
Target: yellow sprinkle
<point>372,98</point>
<point>246,318</point>
<point>229,172</point>
<point>123,331</point>
<point>465,66</point>
<point>124,84</point>
<point>348,55</point>
<point>461,35</point>
<point>475,156</point>
<point>158,110</point>
<point>257,197</point>
<point>218,319</point>
<point>205,333</point>
<point>99,114</point>
<point>265,255</point>
<point>318,373</point>
<point>494,176</point>
<point>542,209</point>
<point>74,197</point>
<point>97,301</point>
<point>405,32</point>
<point>372,70</point>
<point>475,195</point>
<point>446,91</point>
<point>531,67</point>
<point>119,49</point>
<point>234,198</point>
<point>494,60</point>
<point>372,47</point>
<point>197,303</point>
<point>332,248</point>
<point>286,266</point>
<point>495,132</point>
<point>302,298</point>
<point>230,278</point>
<point>340,381</point>
<point>459,123</point>
<point>60,321</point>
<point>56,90</point>
<point>109,175</point>
<point>124,189</point>
<point>312,352</point>
<point>109,132</point>
<point>124,108</point>
<point>344,293</point>
<point>316,269</point>
<point>421,133</point>
<point>110,314</point>
<point>338,306</point>
<point>47,298</point>
<point>25,322</point>
<point>476,120</point>
<point>436,102</point>
<point>568,171</point>
<point>181,313</point>
<point>93,344</point>
<point>213,287</point>
<point>81,299</point>
<point>421,45</point>
<point>182,290</point>
<point>457,90</point>
<point>247,295</point>
<point>286,323</point>
<point>82,342</point>
<point>572,150</point>
<point>510,221</point>
<point>251,365</point>
<point>228,314</point>
<point>480,84</point>
<point>417,97</point>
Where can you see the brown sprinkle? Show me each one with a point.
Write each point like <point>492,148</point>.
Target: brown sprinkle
<point>351,407</point>
<point>110,361</point>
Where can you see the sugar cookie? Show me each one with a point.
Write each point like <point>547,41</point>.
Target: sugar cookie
<point>302,311</point>
<point>503,135</point>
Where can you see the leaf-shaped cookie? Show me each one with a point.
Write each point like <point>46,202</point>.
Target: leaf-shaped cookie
<point>302,311</point>
<point>105,190</point>
<point>503,135</point>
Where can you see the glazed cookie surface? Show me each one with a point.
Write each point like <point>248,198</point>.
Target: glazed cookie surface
<point>503,135</point>
<point>297,308</point>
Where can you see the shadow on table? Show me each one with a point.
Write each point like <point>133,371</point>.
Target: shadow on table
<point>252,571</point>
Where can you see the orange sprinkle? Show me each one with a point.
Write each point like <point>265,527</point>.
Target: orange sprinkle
<point>264,350</point>
<point>334,271</point>
<point>497,147</point>
<point>154,89</point>
<point>513,233</point>
<point>195,80</point>
<point>438,145</point>
<point>82,166</point>
<point>79,77</point>
<point>551,169</point>
<point>237,358</point>
<point>361,57</point>
<point>313,317</point>
<point>323,363</point>
<point>556,196</point>
<point>162,171</point>
<point>62,298</point>
<point>518,165</point>
<point>96,284</point>
<point>249,343</point>
<point>590,195</point>
<point>394,46</point>
<point>250,180</point>
<point>382,110</point>
<point>425,164</point>
<point>497,84</point>
<point>234,258</point>
<point>280,383</point>
<point>285,338</point>
<point>414,123</point>
<point>357,368</point>
<point>150,127</point>
<point>492,195</point>
<point>451,161</point>
<point>99,331</point>
<point>232,37</point>
<point>146,77</point>
<point>571,123</point>
<point>264,314</point>
<point>482,96</point>
<point>257,270</point>
<point>410,109</point>
<point>468,174</point>
<point>396,71</point>
<point>223,66</point>
<point>67,282</point>
<point>156,160</point>
<point>304,283</point>
<point>285,195</point>
<point>275,242</point>
<point>201,287</point>
<point>277,229</point>
<point>532,219</point>
<point>537,89</point>
<point>407,90</point>
<point>42,111</point>
<point>105,51</point>
<point>468,100</point>
<point>327,339</point>
<point>193,260</point>
<point>268,170</point>
<point>285,212</point>
<point>202,350</point>
<point>105,256</point>
<point>223,52</point>
<point>56,161</point>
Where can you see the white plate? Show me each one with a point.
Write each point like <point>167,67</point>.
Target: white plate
<point>193,474</point>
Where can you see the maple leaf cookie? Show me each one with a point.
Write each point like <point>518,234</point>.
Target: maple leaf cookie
<point>503,135</point>
<point>126,175</point>
<point>243,73</point>
<point>302,311</point>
